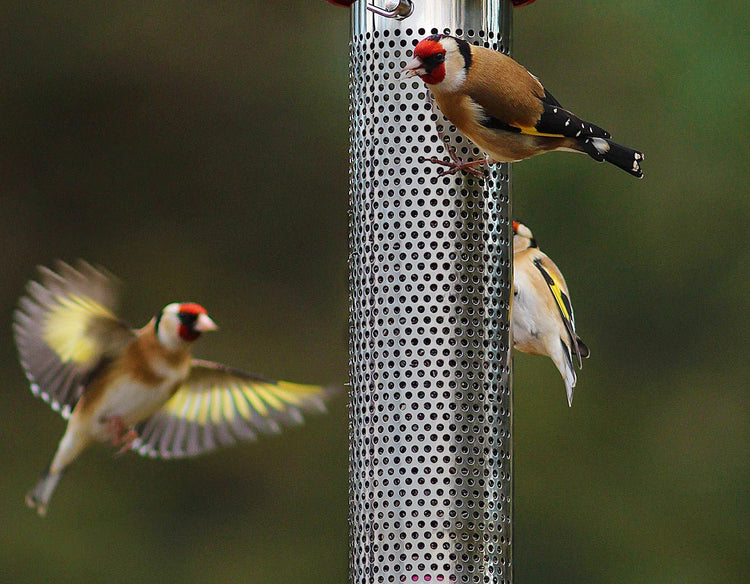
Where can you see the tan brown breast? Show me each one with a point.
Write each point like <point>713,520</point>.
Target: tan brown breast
<point>145,361</point>
<point>146,358</point>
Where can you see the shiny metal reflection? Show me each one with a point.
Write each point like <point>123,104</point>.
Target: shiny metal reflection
<point>430,289</point>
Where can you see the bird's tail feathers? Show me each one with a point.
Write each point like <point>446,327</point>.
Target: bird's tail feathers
<point>621,156</point>
<point>567,371</point>
<point>38,498</point>
<point>583,349</point>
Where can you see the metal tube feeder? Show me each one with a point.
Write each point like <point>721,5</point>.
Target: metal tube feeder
<point>430,288</point>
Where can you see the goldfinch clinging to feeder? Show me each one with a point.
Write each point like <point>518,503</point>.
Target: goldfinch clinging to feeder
<point>542,320</point>
<point>139,389</point>
<point>504,109</point>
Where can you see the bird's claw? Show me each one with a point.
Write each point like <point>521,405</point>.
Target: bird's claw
<point>127,442</point>
<point>457,165</point>
<point>121,435</point>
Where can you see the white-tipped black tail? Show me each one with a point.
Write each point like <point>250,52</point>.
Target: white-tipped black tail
<point>602,149</point>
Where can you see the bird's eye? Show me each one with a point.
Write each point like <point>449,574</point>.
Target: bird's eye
<point>188,319</point>
<point>434,60</point>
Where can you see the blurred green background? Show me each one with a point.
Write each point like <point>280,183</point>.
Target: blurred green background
<point>199,151</point>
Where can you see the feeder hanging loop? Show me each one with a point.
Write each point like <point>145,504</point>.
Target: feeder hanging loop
<point>398,9</point>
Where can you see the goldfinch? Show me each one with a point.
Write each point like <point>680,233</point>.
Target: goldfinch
<point>504,109</point>
<point>139,389</point>
<point>542,321</point>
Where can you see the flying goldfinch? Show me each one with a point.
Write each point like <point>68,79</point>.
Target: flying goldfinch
<point>542,320</point>
<point>139,389</point>
<point>504,109</point>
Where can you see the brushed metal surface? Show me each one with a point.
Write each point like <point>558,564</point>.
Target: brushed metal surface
<point>430,289</point>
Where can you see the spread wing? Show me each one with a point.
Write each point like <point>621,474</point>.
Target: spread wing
<point>556,284</point>
<point>219,406</point>
<point>524,105</point>
<point>64,329</point>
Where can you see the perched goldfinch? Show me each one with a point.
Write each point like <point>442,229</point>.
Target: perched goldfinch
<point>139,389</point>
<point>504,109</point>
<point>542,320</point>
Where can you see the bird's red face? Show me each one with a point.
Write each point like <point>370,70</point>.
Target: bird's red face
<point>515,226</point>
<point>194,320</point>
<point>429,61</point>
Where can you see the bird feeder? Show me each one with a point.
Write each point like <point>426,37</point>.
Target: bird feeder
<point>430,289</point>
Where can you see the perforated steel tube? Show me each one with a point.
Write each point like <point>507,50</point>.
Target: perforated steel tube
<point>430,285</point>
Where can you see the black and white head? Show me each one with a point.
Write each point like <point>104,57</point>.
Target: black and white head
<point>441,61</point>
<point>182,322</point>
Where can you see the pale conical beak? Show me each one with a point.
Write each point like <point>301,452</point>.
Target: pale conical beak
<point>204,324</point>
<point>413,68</point>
